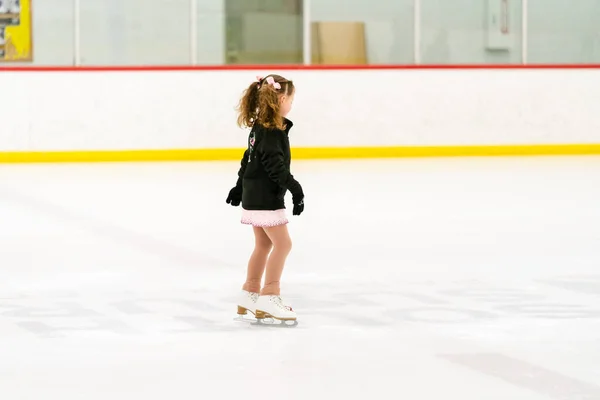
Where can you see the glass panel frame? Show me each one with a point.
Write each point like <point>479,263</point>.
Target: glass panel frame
<point>563,32</point>
<point>135,32</point>
<point>202,19</point>
<point>363,32</point>
<point>490,32</point>
<point>264,32</point>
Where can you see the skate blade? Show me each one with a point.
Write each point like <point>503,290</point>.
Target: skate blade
<point>267,322</point>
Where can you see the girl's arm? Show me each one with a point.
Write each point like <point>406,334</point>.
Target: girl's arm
<point>243,164</point>
<point>273,161</point>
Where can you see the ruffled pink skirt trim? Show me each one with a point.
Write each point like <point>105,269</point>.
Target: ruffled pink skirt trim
<point>264,218</point>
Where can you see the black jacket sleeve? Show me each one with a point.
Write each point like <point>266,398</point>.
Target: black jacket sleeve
<point>273,160</point>
<point>242,169</point>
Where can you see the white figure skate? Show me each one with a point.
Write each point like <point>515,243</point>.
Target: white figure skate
<point>247,302</point>
<point>272,308</point>
<point>267,310</point>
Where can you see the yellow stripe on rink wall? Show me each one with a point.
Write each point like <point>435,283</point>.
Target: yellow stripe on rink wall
<point>122,155</point>
<point>306,153</point>
<point>445,151</point>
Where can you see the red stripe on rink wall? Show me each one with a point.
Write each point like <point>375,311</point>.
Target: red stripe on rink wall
<point>290,67</point>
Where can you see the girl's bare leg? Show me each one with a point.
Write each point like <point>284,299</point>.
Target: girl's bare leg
<point>282,245</point>
<point>258,260</point>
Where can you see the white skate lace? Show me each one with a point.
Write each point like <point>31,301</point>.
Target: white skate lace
<point>280,303</point>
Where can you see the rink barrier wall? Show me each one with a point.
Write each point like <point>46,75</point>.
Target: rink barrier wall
<point>155,113</point>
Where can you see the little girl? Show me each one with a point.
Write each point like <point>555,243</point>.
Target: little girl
<point>263,180</point>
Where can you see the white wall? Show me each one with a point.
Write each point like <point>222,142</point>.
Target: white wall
<point>157,110</point>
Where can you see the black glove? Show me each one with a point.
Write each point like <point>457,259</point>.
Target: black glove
<point>298,204</point>
<point>235,196</point>
<point>297,196</point>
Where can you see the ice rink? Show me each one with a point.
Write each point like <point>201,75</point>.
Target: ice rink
<point>471,279</point>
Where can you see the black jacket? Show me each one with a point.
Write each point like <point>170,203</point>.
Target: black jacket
<point>264,174</point>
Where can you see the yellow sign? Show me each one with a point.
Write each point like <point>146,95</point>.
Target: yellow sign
<point>15,30</point>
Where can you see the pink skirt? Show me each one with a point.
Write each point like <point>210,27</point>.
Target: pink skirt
<point>264,218</point>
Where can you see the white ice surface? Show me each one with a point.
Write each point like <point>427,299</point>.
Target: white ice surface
<point>471,279</point>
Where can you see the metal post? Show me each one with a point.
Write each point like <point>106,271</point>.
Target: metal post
<point>77,32</point>
<point>524,34</point>
<point>417,31</point>
<point>306,34</point>
<point>194,31</point>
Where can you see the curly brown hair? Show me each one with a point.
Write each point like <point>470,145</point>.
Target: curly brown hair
<point>260,103</point>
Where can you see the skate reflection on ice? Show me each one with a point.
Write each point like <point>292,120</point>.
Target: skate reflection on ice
<point>266,322</point>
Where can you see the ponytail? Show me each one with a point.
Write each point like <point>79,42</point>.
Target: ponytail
<point>260,102</point>
<point>248,106</point>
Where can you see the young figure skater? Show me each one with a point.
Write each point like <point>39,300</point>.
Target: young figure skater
<point>263,179</point>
